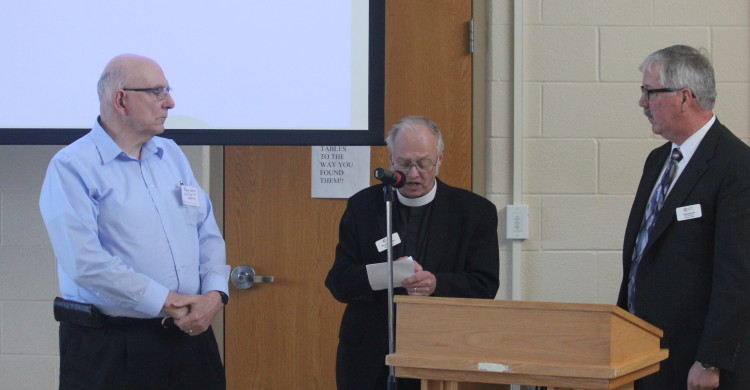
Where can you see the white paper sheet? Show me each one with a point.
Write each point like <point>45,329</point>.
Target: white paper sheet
<point>377,273</point>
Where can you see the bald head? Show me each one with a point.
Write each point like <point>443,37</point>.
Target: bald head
<point>134,101</point>
<point>122,70</point>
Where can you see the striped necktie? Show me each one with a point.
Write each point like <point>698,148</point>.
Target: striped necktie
<point>649,220</point>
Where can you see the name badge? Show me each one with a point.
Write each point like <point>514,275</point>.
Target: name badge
<point>689,212</point>
<point>382,243</point>
<point>189,196</point>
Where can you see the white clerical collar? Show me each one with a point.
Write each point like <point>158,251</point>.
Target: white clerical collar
<point>421,201</point>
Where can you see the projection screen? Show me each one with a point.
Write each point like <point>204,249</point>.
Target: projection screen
<point>243,72</point>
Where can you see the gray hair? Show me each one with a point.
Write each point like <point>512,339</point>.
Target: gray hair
<point>110,80</point>
<point>412,122</point>
<point>682,66</point>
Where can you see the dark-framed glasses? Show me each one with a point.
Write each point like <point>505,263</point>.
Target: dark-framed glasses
<point>423,165</point>
<point>159,92</point>
<point>645,92</point>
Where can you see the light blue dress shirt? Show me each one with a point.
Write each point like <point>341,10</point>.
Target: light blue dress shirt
<point>122,236</point>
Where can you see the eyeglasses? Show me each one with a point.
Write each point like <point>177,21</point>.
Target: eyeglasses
<point>423,165</point>
<point>645,92</point>
<point>159,92</point>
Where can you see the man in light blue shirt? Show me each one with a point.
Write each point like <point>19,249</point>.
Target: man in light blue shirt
<point>136,237</point>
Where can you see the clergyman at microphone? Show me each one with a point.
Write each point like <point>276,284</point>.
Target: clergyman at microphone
<point>450,233</point>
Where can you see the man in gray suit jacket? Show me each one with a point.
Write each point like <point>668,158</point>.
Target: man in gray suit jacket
<point>686,252</point>
<point>451,234</point>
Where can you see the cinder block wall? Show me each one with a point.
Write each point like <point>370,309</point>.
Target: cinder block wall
<point>585,138</point>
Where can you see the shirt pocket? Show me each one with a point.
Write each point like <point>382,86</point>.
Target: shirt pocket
<point>191,215</point>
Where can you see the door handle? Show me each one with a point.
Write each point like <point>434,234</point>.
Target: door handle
<point>243,277</point>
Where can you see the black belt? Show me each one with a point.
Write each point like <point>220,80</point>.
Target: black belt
<point>164,322</point>
<point>87,314</point>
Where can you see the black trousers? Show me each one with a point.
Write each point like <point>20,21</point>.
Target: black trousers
<point>360,369</point>
<point>129,357</point>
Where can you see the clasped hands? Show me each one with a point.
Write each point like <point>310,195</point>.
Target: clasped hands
<point>422,283</point>
<point>193,314</point>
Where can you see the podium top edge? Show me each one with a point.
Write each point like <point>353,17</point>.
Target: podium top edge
<point>539,305</point>
<point>535,305</point>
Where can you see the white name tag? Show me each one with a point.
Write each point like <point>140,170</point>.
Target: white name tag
<point>189,196</point>
<point>382,243</point>
<point>689,212</point>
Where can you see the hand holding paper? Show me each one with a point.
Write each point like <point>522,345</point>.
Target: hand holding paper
<point>377,273</point>
<point>422,283</point>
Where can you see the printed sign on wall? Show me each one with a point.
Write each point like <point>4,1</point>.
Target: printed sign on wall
<point>339,171</point>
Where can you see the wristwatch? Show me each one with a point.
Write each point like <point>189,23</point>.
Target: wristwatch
<point>225,298</point>
<point>709,367</point>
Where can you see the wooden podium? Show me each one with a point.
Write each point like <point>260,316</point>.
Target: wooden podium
<point>449,341</point>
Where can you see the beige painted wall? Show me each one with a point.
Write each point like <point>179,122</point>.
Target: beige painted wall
<point>585,140</point>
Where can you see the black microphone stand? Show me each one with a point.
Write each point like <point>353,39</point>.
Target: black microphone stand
<point>388,195</point>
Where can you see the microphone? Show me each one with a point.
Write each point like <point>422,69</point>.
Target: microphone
<point>397,179</point>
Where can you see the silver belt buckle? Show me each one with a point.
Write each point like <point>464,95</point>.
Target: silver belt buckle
<point>167,322</point>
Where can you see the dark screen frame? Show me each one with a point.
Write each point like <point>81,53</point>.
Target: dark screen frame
<point>373,135</point>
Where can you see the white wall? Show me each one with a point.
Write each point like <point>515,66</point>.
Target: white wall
<point>28,282</point>
<point>585,140</point>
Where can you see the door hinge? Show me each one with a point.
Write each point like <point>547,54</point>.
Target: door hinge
<point>471,35</point>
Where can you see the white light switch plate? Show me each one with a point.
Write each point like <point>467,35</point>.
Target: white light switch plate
<point>517,224</point>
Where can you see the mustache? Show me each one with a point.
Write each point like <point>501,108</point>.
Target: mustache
<point>647,113</point>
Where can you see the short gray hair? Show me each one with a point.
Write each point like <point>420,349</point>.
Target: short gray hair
<point>110,80</point>
<point>412,122</point>
<point>682,66</point>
